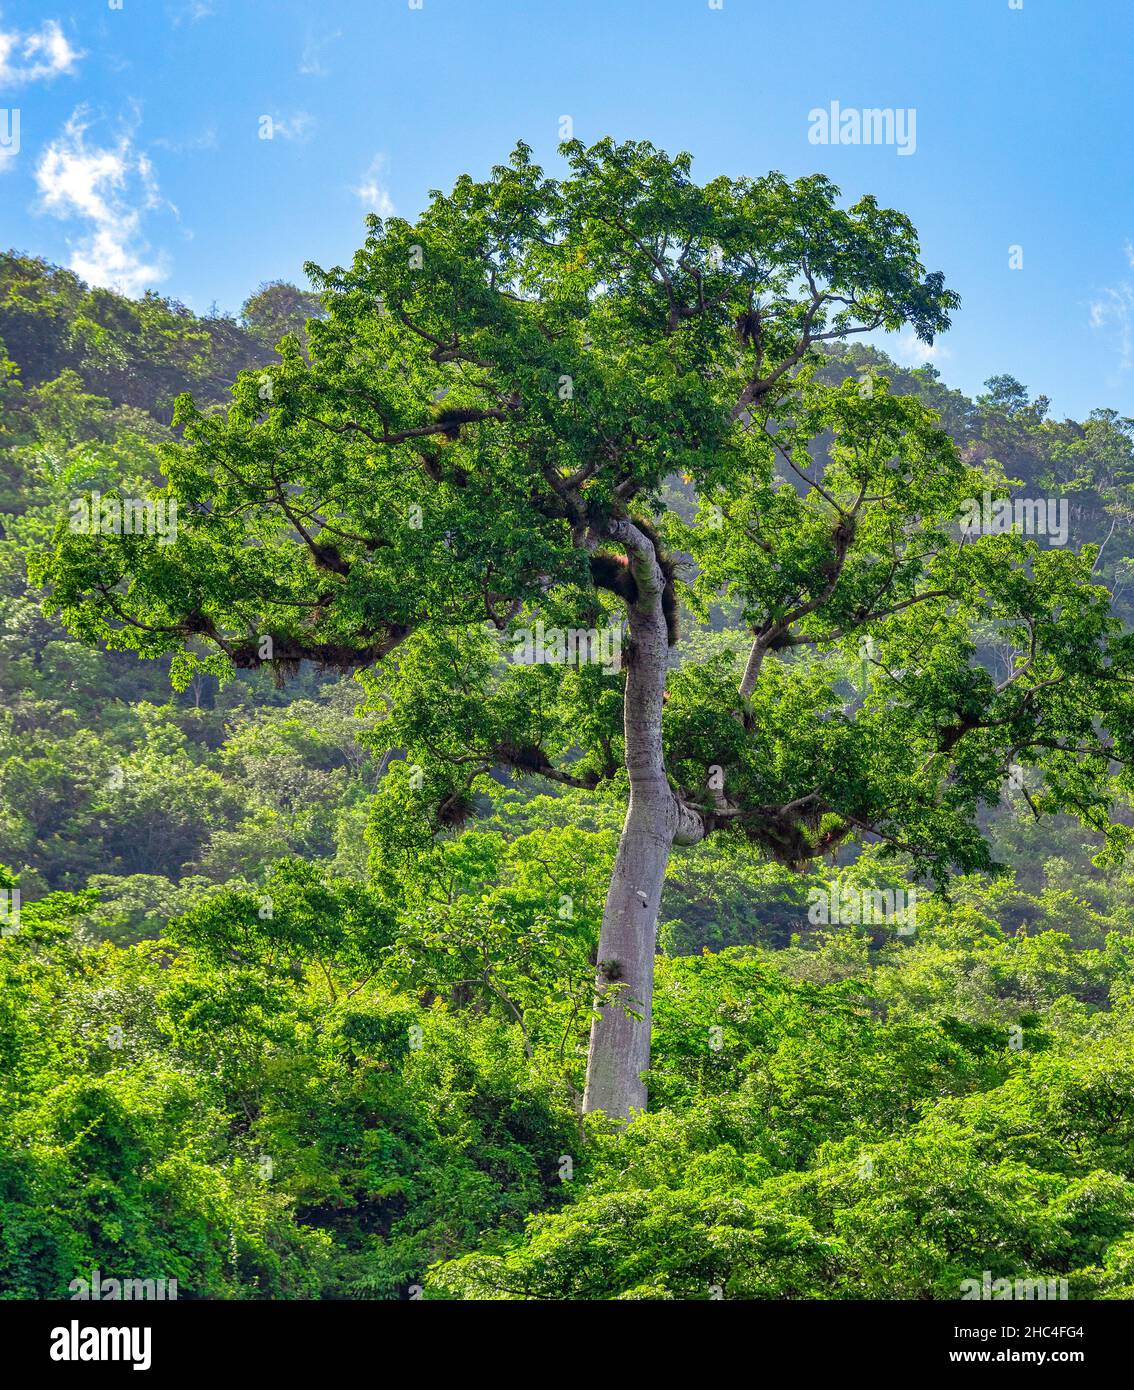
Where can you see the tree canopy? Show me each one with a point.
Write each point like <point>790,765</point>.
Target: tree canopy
<point>312,944</point>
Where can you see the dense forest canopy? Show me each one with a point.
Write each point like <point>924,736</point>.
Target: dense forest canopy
<point>479,435</point>
<point>300,996</point>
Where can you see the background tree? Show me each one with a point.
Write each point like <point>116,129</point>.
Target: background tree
<point>484,427</point>
<point>278,309</point>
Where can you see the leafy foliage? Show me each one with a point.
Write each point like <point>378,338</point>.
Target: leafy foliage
<point>298,1000</point>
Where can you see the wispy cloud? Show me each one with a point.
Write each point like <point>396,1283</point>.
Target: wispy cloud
<point>191,11</point>
<point>206,140</point>
<point>1112,311</point>
<point>370,191</point>
<point>35,54</point>
<point>910,351</point>
<point>311,61</point>
<point>109,188</point>
<point>298,126</point>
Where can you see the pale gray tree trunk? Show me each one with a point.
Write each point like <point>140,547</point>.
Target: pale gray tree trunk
<point>620,1033</point>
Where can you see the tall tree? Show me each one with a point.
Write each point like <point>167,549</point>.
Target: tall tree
<point>512,408</point>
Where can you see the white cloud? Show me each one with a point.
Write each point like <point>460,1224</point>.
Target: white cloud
<point>35,54</point>
<point>370,191</point>
<point>910,351</point>
<point>298,126</point>
<point>109,188</point>
<point>192,12</point>
<point>311,63</point>
<point>1112,311</point>
<point>192,144</point>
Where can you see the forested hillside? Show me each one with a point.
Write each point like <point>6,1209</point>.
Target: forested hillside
<point>276,1024</point>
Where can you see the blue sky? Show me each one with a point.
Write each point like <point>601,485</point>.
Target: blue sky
<point>140,161</point>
